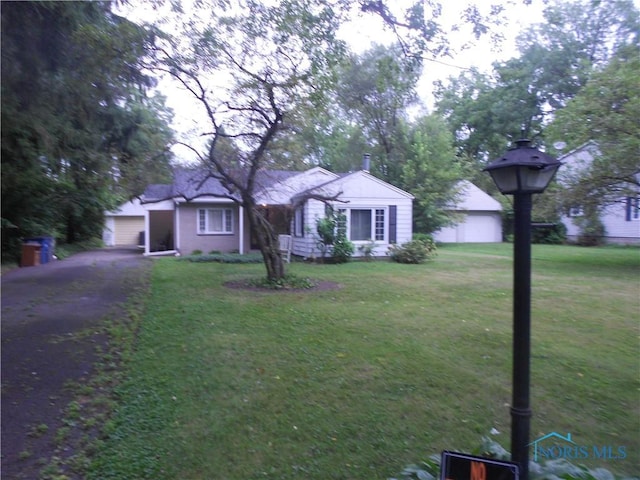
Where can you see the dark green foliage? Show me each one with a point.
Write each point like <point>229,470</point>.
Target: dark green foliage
<point>560,468</point>
<point>76,124</point>
<point>342,249</point>
<point>224,258</point>
<point>550,234</point>
<point>333,238</point>
<point>416,251</point>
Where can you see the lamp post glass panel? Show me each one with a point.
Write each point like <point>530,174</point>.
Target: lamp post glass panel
<point>522,171</point>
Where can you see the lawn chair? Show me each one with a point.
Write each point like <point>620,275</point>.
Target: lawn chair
<point>284,245</point>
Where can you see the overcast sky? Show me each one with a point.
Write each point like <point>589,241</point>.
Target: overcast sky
<point>360,34</point>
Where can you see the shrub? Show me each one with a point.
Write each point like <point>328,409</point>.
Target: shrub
<point>368,249</point>
<point>559,468</point>
<point>342,250</point>
<point>224,258</point>
<point>553,234</point>
<point>415,251</point>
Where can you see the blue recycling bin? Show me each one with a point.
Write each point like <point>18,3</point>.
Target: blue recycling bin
<point>46,247</point>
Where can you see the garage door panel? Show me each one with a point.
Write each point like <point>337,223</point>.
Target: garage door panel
<point>127,230</point>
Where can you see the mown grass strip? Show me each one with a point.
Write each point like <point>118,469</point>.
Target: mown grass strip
<point>400,362</point>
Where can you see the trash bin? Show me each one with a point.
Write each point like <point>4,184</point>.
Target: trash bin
<point>46,247</point>
<point>30,254</point>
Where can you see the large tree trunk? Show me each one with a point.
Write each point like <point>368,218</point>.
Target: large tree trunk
<point>268,244</point>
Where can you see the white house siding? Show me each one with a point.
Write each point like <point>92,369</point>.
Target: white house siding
<point>614,217</point>
<point>476,227</point>
<point>189,238</point>
<point>359,191</point>
<point>618,229</point>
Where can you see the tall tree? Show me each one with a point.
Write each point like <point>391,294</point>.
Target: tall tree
<point>70,71</point>
<point>431,173</point>
<point>557,57</point>
<point>607,111</point>
<point>271,61</point>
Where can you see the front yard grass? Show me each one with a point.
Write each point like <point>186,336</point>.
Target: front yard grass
<point>401,362</point>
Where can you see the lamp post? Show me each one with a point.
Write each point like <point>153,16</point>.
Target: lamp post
<point>522,171</point>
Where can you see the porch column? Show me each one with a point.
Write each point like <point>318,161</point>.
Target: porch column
<point>176,227</point>
<point>241,228</point>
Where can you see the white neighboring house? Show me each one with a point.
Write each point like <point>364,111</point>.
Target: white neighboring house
<point>621,219</point>
<point>480,218</point>
<point>123,226</point>
<point>196,212</point>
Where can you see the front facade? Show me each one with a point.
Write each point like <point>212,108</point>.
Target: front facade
<point>375,211</point>
<point>196,213</point>
<point>479,218</point>
<point>621,218</point>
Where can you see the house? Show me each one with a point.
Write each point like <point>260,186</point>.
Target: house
<point>479,218</point>
<point>123,226</point>
<point>197,212</point>
<point>621,218</point>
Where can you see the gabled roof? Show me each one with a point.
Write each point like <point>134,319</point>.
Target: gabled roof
<point>194,183</point>
<point>334,185</point>
<point>591,147</point>
<point>272,187</point>
<point>471,198</point>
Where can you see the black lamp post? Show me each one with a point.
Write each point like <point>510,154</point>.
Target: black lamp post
<point>522,171</point>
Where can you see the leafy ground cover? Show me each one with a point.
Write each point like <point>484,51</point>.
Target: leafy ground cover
<point>400,362</point>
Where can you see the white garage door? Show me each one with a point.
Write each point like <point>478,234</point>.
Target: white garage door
<point>127,230</point>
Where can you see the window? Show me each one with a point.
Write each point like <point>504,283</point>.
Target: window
<point>298,222</point>
<point>633,208</point>
<point>366,224</point>
<point>215,220</point>
<point>360,225</point>
<point>575,211</point>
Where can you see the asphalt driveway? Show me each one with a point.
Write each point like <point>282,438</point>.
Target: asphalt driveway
<point>52,319</point>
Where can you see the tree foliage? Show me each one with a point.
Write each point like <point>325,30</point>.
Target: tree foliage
<point>557,57</point>
<point>606,111</point>
<point>74,118</point>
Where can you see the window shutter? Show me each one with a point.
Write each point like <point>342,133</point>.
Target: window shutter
<point>629,207</point>
<point>393,223</point>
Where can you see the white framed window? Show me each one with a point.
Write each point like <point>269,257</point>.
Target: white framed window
<point>576,211</point>
<point>366,224</point>
<point>298,222</point>
<point>215,221</point>
<point>632,209</point>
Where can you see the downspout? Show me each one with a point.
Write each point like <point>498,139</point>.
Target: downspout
<point>176,226</point>
<point>241,228</point>
<point>147,228</point>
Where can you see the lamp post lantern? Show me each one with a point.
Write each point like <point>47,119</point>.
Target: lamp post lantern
<point>522,171</point>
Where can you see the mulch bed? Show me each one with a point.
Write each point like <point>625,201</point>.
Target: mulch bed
<point>319,286</point>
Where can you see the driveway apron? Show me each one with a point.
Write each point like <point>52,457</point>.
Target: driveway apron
<point>52,316</point>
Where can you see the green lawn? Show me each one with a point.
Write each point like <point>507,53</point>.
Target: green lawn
<point>399,363</point>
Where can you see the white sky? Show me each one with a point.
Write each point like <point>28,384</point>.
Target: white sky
<point>361,34</point>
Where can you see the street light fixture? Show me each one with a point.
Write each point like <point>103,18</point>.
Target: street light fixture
<point>522,171</point>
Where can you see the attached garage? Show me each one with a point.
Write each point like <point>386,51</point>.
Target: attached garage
<point>123,226</point>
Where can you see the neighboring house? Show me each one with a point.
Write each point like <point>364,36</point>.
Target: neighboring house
<point>197,212</point>
<point>123,226</point>
<point>479,216</point>
<point>621,219</point>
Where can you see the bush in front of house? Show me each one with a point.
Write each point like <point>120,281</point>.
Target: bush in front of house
<point>418,250</point>
<point>429,469</point>
<point>224,258</point>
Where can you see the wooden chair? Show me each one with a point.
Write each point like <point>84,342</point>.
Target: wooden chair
<point>284,245</point>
